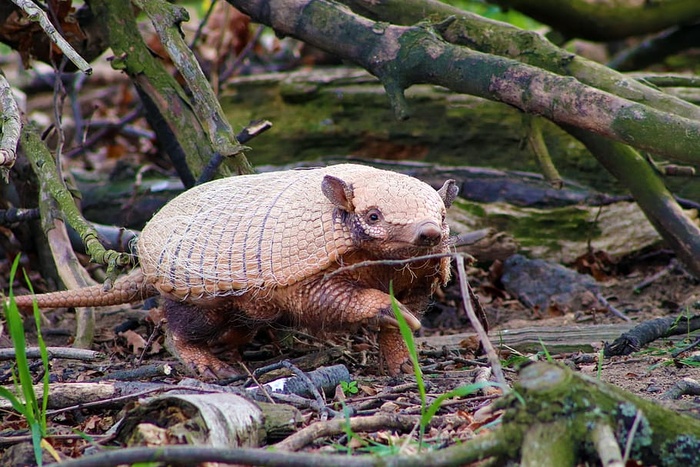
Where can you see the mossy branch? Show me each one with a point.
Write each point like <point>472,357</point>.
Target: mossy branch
<point>505,40</point>
<point>11,128</point>
<point>649,191</point>
<point>45,167</point>
<point>168,108</point>
<point>36,14</point>
<point>166,19</point>
<point>402,56</point>
<point>552,394</point>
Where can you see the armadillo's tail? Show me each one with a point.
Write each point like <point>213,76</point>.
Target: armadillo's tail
<point>126,289</point>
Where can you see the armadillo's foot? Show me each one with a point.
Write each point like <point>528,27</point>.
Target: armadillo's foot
<point>200,360</point>
<point>393,353</point>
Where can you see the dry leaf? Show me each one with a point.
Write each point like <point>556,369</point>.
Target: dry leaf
<point>134,341</point>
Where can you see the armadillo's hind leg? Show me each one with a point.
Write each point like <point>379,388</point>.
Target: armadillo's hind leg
<point>191,331</point>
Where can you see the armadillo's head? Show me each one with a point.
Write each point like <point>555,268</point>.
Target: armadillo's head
<point>392,216</point>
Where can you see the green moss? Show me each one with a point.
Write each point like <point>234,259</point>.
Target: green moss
<point>471,208</point>
<point>316,117</point>
<point>569,223</point>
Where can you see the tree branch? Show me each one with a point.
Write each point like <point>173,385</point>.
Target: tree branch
<point>166,19</point>
<point>505,40</point>
<point>402,56</point>
<point>11,127</point>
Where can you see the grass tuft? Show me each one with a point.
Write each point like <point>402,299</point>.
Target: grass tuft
<point>27,405</point>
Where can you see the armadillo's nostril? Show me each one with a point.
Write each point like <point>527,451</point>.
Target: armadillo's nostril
<point>429,234</point>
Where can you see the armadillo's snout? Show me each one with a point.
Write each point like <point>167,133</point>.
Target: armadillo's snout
<point>428,234</point>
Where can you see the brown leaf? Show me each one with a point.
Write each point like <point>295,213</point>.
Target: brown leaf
<point>134,341</point>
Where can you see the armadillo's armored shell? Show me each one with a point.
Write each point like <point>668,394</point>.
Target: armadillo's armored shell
<point>234,235</point>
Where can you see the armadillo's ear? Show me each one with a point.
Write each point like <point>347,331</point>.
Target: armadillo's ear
<point>448,192</point>
<point>338,192</point>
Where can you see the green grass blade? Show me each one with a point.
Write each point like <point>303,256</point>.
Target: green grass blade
<point>17,404</point>
<point>407,335</point>
<point>35,416</point>
<point>16,330</point>
<point>44,359</point>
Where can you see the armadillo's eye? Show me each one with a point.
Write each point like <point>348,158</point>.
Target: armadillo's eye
<point>373,216</point>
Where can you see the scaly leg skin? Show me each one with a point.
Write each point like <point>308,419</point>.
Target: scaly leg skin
<point>331,305</point>
<point>393,353</point>
<point>200,360</point>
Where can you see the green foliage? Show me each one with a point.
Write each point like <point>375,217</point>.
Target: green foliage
<point>491,11</point>
<point>428,411</point>
<point>546,353</point>
<point>407,335</point>
<point>28,405</point>
<point>349,387</point>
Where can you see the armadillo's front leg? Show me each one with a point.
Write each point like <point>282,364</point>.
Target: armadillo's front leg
<point>394,353</point>
<point>335,304</point>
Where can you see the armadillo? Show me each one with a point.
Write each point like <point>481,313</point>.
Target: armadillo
<point>233,255</point>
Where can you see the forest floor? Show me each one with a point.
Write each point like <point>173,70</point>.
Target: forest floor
<point>122,334</point>
<point>129,342</point>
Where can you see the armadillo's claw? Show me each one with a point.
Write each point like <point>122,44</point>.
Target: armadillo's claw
<point>214,372</point>
<point>389,320</point>
<point>199,359</point>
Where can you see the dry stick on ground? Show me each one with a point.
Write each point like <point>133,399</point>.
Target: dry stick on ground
<point>686,386</point>
<point>311,433</point>
<point>55,352</point>
<point>649,331</point>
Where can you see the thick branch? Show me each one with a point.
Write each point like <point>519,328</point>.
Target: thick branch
<point>530,47</point>
<point>169,110</point>
<point>44,166</point>
<point>649,191</point>
<point>402,56</point>
<point>34,13</point>
<point>11,128</point>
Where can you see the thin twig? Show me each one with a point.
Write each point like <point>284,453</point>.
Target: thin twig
<point>491,354</point>
<point>387,262</point>
<point>318,430</point>
<point>166,19</point>
<point>36,14</point>
<point>227,73</point>
<point>630,436</point>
